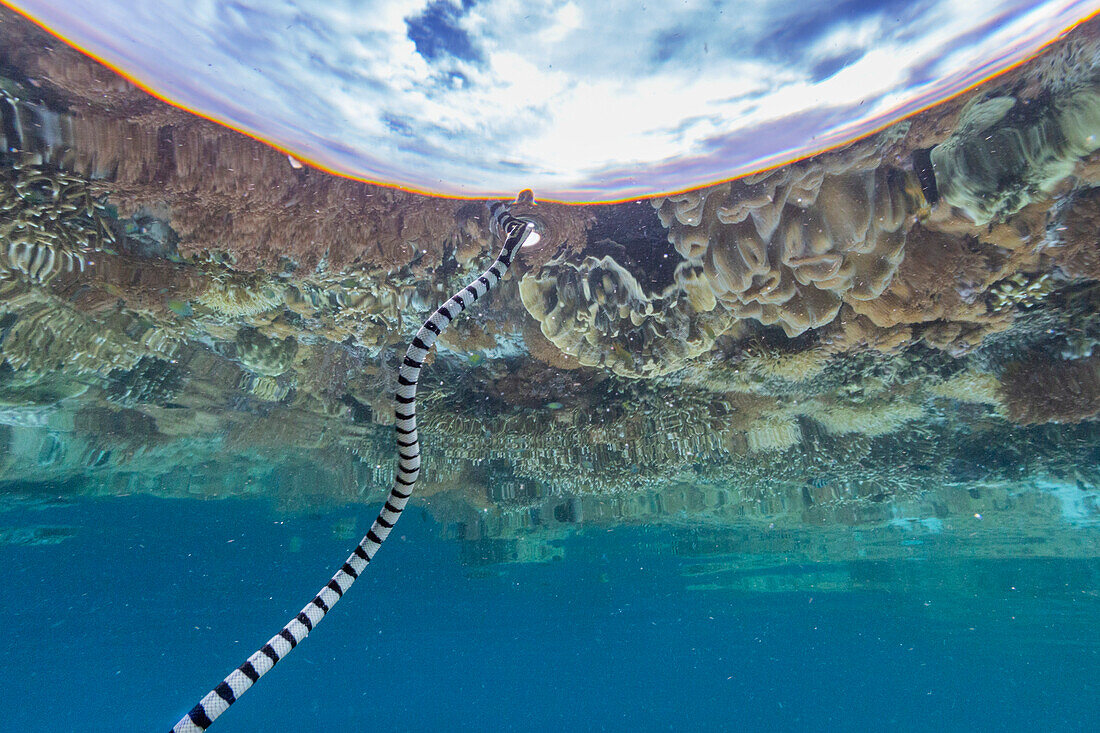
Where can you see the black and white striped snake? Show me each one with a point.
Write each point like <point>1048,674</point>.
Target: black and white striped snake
<point>514,233</point>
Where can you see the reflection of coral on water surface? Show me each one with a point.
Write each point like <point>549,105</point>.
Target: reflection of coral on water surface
<point>896,334</point>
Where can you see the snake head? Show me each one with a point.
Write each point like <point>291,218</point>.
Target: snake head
<point>513,231</point>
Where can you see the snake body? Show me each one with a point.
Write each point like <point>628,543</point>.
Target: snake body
<point>514,233</point>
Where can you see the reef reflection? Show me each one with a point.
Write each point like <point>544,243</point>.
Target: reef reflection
<point>882,349</point>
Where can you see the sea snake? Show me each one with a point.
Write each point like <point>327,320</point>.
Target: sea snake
<point>514,233</point>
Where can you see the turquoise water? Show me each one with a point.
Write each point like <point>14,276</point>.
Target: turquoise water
<point>152,601</point>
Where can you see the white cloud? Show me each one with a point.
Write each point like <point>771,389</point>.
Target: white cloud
<point>567,89</point>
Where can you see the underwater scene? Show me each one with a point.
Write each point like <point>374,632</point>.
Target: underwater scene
<point>727,385</point>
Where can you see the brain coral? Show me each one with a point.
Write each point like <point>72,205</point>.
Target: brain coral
<point>787,247</point>
<point>598,312</point>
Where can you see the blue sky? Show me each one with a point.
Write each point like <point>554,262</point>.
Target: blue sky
<point>577,100</point>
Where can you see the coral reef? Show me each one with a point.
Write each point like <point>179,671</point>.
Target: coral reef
<point>45,336</point>
<point>1077,249</point>
<point>970,386</point>
<point>265,356</point>
<point>873,418</point>
<point>1007,152</point>
<point>938,280</point>
<point>774,434</point>
<point>787,247</point>
<point>1042,389</point>
<point>598,312</point>
<point>22,389</point>
<point>888,336</point>
<point>267,389</point>
<point>955,290</point>
<point>151,380</point>
<point>852,332</point>
<point>544,350</point>
<point>1020,291</point>
<point>49,221</point>
<point>240,297</point>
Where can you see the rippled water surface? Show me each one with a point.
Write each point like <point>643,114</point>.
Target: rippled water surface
<point>817,447</point>
<point>581,102</point>
<point>636,628</point>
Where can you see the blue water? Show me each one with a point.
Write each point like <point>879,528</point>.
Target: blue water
<point>152,602</point>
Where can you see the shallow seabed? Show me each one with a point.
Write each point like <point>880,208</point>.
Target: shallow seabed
<point>636,628</point>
